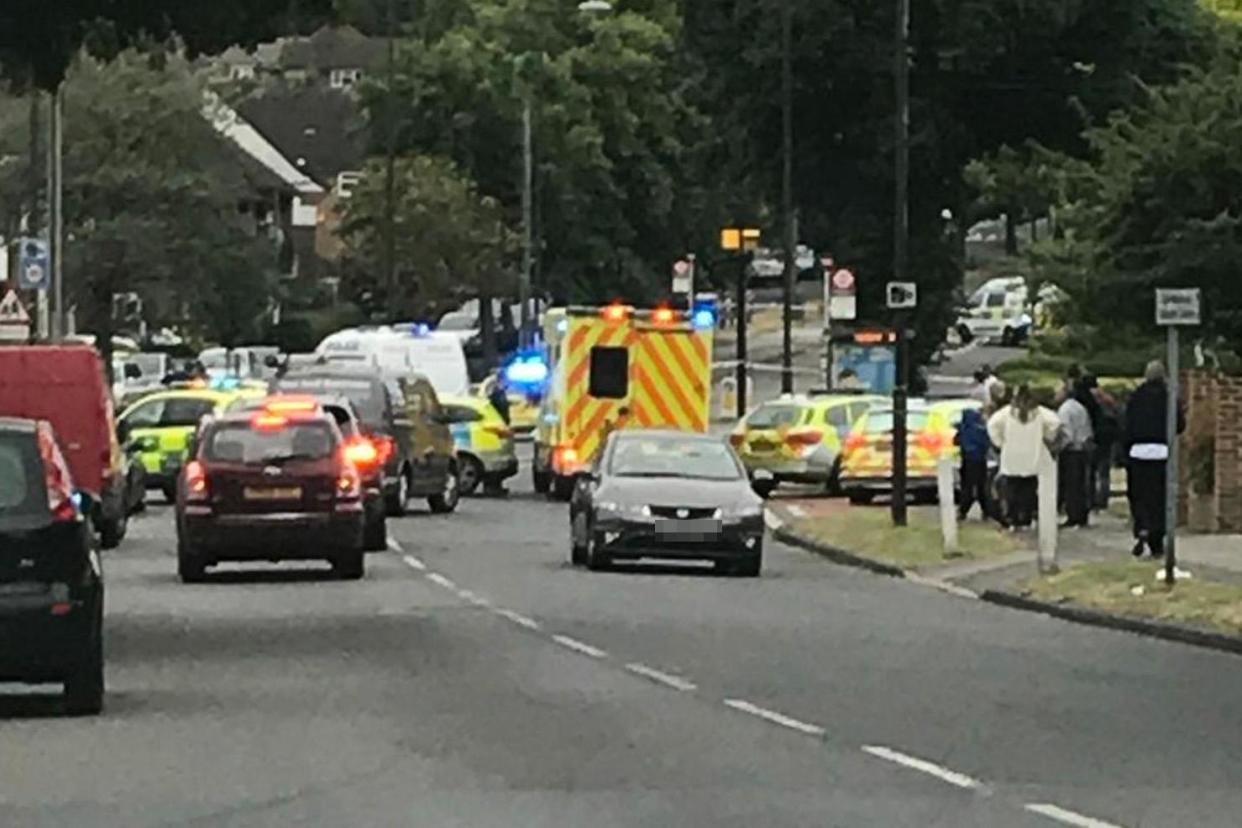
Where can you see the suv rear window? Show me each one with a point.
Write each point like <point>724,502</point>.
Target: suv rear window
<point>21,475</point>
<point>240,443</point>
<point>774,416</point>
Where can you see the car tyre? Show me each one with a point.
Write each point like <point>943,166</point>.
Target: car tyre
<point>350,565</point>
<point>375,533</point>
<point>763,488</point>
<point>562,488</point>
<point>191,568</point>
<point>964,333</point>
<point>398,503</point>
<point>541,480</point>
<point>596,558</point>
<point>1009,337</point>
<point>859,497</point>
<point>169,490</point>
<point>578,553</point>
<point>84,686</point>
<point>471,475</point>
<point>112,530</point>
<point>446,501</point>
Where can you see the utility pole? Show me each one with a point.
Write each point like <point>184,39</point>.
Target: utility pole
<point>742,274</point>
<point>56,229</point>
<point>528,253</point>
<point>390,165</point>
<point>901,231</point>
<point>791,228</point>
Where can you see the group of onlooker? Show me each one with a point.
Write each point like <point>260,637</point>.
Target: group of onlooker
<point>1018,438</point>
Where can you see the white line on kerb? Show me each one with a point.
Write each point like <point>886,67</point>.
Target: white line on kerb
<point>774,717</point>
<point>797,511</point>
<point>579,646</point>
<point>394,546</point>
<point>437,578</point>
<point>1067,817</point>
<point>961,780</point>
<point>414,563</point>
<point>675,682</point>
<point>517,618</point>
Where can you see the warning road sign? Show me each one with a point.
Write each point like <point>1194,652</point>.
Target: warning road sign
<point>14,321</point>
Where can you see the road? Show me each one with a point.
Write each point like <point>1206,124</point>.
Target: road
<point>474,679</point>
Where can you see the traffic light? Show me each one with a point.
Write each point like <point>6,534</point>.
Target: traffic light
<point>900,295</point>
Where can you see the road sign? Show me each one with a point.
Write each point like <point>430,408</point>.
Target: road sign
<point>1177,306</point>
<point>34,264</point>
<point>14,321</point>
<point>843,293</point>
<point>901,295</point>
<point>683,276</point>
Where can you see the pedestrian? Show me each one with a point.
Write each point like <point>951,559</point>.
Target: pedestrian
<point>499,398</point>
<point>972,441</point>
<point>1106,426</point>
<point>1074,458</point>
<point>1023,431</point>
<point>1147,451</point>
<point>980,391</point>
<point>1069,383</point>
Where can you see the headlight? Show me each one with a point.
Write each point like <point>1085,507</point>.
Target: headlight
<point>738,512</point>
<point>623,508</point>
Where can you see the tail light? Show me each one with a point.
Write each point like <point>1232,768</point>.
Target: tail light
<point>566,456</point>
<point>855,441</point>
<point>662,316</point>
<point>737,438</point>
<point>804,437</point>
<point>932,441</point>
<point>348,483</point>
<point>269,422</point>
<point>500,430</point>
<point>385,447</point>
<point>56,476</point>
<point>361,452</point>
<point>195,481</point>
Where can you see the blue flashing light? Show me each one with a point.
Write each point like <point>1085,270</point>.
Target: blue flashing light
<point>226,383</point>
<point>703,319</point>
<point>562,325</point>
<point>527,371</point>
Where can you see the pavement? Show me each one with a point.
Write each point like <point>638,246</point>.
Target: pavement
<point>475,679</point>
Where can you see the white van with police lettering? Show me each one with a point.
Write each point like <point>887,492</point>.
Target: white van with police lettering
<point>400,351</point>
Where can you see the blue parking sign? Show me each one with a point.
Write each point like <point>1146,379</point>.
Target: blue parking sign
<point>33,265</point>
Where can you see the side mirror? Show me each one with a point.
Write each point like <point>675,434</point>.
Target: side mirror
<point>271,361</point>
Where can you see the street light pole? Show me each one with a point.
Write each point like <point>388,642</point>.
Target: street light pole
<point>901,231</point>
<point>390,168</point>
<point>791,232</point>
<point>528,257</point>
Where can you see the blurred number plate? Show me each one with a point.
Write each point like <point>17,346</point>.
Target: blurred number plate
<point>762,445</point>
<point>682,528</point>
<point>286,493</point>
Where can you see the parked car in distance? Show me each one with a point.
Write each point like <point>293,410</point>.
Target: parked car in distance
<point>486,453</point>
<point>51,580</point>
<point>269,485</point>
<point>66,386</point>
<point>867,459</point>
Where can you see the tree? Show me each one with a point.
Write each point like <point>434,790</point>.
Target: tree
<point>451,241</point>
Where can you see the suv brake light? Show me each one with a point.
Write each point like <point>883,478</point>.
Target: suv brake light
<point>348,483</point>
<point>269,422</point>
<point>737,438</point>
<point>361,452</point>
<point>931,441</point>
<point>855,441</point>
<point>56,476</point>
<point>195,481</point>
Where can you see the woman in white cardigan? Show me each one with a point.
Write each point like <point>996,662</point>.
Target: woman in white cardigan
<point>1022,431</point>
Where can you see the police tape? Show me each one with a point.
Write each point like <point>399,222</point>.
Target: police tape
<point>768,367</point>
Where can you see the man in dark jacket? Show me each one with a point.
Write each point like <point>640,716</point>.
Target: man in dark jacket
<point>972,438</point>
<point>1147,451</point>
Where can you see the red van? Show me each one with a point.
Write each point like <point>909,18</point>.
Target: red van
<point>65,385</point>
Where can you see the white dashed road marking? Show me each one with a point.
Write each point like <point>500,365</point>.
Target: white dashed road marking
<point>774,717</point>
<point>394,546</point>
<point>1067,817</point>
<point>477,600</point>
<point>517,618</point>
<point>961,780</point>
<point>414,563</point>
<point>675,682</point>
<point>579,646</point>
<point>437,578</point>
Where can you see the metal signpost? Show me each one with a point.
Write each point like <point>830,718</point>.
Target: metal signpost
<point>34,273</point>
<point>901,297</point>
<point>14,321</point>
<point>1175,307</point>
<point>744,240</point>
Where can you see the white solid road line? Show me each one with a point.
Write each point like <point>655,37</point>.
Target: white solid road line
<point>1067,817</point>
<point>394,546</point>
<point>675,682</point>
<point>578,646</point>
<point>414,563</point>
<point>437,578</point>
<point>961,780</point>
<point>774,717</point>
<point>517,618</point>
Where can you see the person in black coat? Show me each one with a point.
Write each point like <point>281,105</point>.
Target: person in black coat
<point>1147,452</point>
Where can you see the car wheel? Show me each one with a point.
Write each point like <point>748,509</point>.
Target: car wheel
<point>470,476</point>
<point>763,488</point>
<point>1008,337</point>
<point>860,498</point>
<point>964,334</point>
<point>541,480</point>
<point>375,533</point>
<point>349,565</point>
<point>446,500</point>
<point>140,503</point>
<point>169,490</point>
<point>190,566</point>
<point>112,530</point>
<point>397,503</point>
<point>562,488</point>
<point>750,567</point>
<point>84,687</point>
<point>596,558</point>
<point>578,552</point>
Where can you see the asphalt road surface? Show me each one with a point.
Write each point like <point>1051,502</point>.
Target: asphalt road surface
<point>475,679</point>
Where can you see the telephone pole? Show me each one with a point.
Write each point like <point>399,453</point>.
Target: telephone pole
<point>390,165</point>
<point>901,232</point>
<point>791,231</point>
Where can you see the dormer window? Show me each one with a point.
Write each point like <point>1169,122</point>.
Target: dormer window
<point>344,78</point>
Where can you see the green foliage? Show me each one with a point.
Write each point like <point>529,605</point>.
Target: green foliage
<point>448,238</point>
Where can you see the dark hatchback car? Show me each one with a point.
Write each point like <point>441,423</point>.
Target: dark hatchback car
<point>269,486</point>
<point>364,452</point>
<point>667,494</point>
<point>51,584</point>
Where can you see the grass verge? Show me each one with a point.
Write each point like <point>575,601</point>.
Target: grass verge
<point>1132,588</point>
<point>869,532</point>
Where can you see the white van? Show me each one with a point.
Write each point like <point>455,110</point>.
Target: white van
<point>398,353</point>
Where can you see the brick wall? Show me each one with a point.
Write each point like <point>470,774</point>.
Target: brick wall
<point>1214,406</point>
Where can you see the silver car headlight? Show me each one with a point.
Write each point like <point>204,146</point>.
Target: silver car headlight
<point>743,512</point>
<point>623,509</point>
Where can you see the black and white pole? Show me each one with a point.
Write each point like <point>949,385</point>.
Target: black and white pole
<point>1174,308</point>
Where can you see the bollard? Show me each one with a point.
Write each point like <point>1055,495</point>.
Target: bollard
<point>948,504</point>
<point>1048,515</point>
<point>728,397</point>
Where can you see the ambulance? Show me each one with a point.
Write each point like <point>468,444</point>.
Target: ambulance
<point>617,367</point>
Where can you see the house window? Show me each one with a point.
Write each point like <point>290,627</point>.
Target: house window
<point>346,182</point>
<point>241,72</point>
<point>344,78</point>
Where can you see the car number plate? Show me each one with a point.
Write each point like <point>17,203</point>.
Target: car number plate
<point>762,445</point>
<point>283,493</point>
<point>684,528</point>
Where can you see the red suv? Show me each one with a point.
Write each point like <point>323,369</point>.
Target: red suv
<point>270,485</point>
